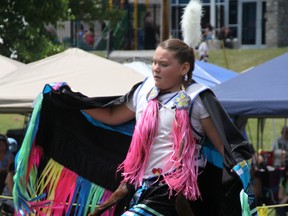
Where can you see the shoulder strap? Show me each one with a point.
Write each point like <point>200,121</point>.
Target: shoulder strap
<point>194,90</point>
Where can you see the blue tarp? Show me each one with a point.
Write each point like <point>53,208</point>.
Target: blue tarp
<point>210,74</point>
<point>219,73</point>
<point>259,92</point>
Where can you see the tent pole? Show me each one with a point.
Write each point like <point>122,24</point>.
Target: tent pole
<point>274,129</point>
<point>258,129</point>
<point>135,24</point>
<point>262,131</point>
<point>224,53</point>
<point>250,134</point>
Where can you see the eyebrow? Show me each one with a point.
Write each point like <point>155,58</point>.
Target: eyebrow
<point>161,60</point>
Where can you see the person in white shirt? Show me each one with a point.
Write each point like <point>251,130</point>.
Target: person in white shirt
<point>280,148</point>
<point>203,50</point>
<point>164,158</point>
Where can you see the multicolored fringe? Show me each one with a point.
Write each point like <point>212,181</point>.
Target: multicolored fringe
<point>57,191</point>
<point>247,198</point>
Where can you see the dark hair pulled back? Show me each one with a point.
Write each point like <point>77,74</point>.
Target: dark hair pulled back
<point>183,53</point>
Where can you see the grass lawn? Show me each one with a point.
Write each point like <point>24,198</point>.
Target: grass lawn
<point>11,121</point>
<point>233,59</point>
<point>240,60</point>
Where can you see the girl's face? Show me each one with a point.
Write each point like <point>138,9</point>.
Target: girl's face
<point>167,71</point>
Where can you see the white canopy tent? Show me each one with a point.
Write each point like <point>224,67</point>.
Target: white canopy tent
<point>8,65</point>
<point>84,72</point>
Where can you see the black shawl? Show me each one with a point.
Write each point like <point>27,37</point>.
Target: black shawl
<point>94,152</point>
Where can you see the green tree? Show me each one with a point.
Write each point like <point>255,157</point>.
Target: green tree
<point>91,10</point>
<point>23,32</point>
<point>23,24</point>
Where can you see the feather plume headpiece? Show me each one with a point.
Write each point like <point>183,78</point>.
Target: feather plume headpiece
<point>191,23</point>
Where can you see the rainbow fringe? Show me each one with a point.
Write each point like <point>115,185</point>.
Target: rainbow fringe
<point>57,191</point>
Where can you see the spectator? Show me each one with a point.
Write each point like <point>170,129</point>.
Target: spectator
<point>209,36</point>
<point>283,193</point>
<point>226,36</point>
<point>7,205</point>
<point>89,37</point>
<point>203,49</point>
<point>80,34</point>
<point>149,32</point>
<point>6,159</point>
<point>282,141</point>
<point>280,148</point>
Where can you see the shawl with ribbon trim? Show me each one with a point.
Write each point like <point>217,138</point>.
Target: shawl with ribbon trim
<point>67,163</point>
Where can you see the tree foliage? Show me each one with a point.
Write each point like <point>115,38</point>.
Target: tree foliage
<point>23,24</point>
<point>91,10</point>
<point>22,27</point>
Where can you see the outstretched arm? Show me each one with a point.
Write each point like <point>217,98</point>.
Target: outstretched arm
<point>111,115</point>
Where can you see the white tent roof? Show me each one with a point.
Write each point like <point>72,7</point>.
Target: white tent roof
<point>84,72</point>
<point>8,65</point>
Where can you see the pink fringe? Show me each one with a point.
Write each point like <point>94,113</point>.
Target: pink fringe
<point>144,134</point>
<point>36,206</point>
<point>185,171</point>
<point>34,159</point>
<point>64,192</point>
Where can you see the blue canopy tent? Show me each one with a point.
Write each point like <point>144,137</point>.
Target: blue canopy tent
<point>208,73</point>
<point>259,92</point>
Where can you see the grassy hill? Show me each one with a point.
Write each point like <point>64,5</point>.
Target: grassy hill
<point>240,60</point>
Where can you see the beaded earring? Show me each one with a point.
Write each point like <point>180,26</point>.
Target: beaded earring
<point>186,77</point>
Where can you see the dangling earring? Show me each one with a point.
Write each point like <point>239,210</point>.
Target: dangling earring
<point>186,77</point>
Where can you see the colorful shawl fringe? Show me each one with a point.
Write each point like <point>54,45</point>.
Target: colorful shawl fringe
<point>58,190</point>
<point>247,198</point>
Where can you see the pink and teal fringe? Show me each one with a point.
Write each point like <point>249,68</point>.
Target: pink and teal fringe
<point>58,191</point>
